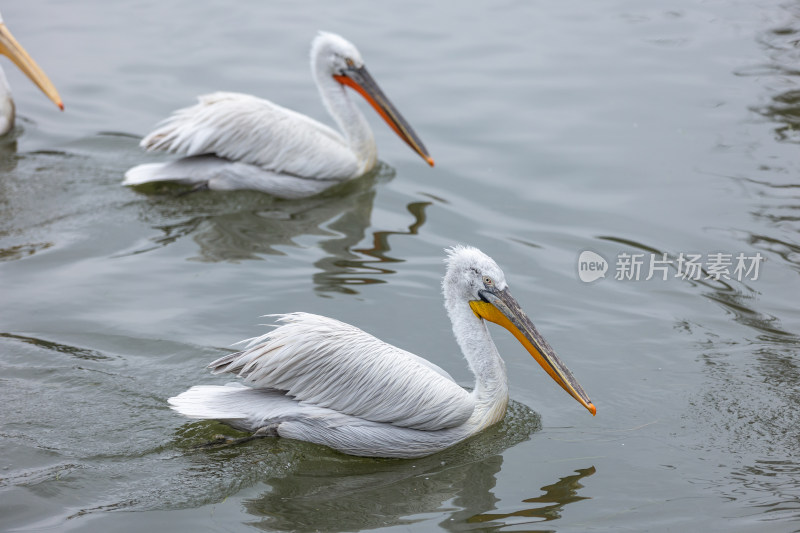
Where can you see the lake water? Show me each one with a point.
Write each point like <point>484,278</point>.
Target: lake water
<point>624,128</point>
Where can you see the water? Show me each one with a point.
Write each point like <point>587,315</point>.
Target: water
<point>616,127</point>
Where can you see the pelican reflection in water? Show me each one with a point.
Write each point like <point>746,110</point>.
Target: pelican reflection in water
<point>319,380</point>
<point>237,141</point>
<point>10,48</point>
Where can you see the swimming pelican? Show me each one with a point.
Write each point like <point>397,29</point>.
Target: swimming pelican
<point>236,141</point>
<point>10,48</point>
<point>319,380</point>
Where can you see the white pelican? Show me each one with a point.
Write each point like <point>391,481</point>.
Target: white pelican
<point>10,48</point>
<point>237,141</point>
<point>319,380</point>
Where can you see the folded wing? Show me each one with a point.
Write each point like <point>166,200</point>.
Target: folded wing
<point>323,362</point>
<point>246,129</point>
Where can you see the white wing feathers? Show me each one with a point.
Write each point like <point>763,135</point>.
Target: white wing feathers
<point>326,363</point>
<point>243,128</point>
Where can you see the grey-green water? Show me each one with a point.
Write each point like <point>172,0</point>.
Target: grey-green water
<point>619,127</point>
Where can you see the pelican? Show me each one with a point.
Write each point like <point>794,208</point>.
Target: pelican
<point>323,381</point>
<point>237,141</point>
<point>10,48</point>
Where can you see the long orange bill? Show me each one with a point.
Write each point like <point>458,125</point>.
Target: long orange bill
<point>16,53</point>
<point>501,308</point>
<point>361,80</point>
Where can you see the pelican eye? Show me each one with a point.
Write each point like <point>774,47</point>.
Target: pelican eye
<point>349,62</point>
<point>488,281</point>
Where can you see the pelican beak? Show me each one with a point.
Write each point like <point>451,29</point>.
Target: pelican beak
<point>360,79</point>
<point>15,52</point>
<point>501,308</point>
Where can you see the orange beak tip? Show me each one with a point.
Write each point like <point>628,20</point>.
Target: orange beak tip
<point>592,409</point>
<point>429,160</point>
<point>61,106</point>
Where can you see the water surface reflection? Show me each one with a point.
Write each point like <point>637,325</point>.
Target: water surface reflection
<point>331,492</point>
<point>556,496</point>
<point>344,267</point>
<point>246,225</point>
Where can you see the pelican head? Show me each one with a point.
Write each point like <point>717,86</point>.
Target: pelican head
<point>474,278</point>
<point>335,56</point>
<point>10,48</point>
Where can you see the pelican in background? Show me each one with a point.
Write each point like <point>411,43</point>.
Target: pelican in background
<point>10,48</point>
<point>319,380</point>
<point>237,141</point>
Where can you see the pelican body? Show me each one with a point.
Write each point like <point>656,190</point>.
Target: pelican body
<point>10,48</point>
<point>319,380</point>
<point>236,141</point>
